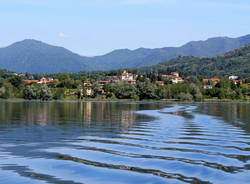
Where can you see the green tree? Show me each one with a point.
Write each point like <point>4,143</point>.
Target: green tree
<point>124,91</point>
<point>16,81</point>
<point>247,80</point>
<point>30,92</point>
<point>195,92</point>
<point>59,93</point>
<point>146,90</point>
<point>45,93</point>
<point>185,97</point>
<point>63,76</point>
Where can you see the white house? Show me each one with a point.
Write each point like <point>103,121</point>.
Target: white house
<point>207,87</point>
<point>233,77</point>
<point>177,80</point>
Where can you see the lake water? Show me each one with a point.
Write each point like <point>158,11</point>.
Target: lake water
<point>113,143</point>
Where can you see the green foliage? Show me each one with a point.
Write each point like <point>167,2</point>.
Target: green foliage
<point>16,81</point>
<point>59,93</point>
<point>45,93</point>
<point>247,80</point>
<point>146,90</point>
<point>69,84</point>
<point>185,97</point>
<point>4,92</point>
<point>124,91</point>
<point>31,92</point>
<point>232,63</point>
<point>195,92</point>
<point>63,76</point>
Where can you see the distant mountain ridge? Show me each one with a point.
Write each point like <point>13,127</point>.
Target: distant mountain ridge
<point>236,62</point>
<point>144,57</point>
<point>37,57</point>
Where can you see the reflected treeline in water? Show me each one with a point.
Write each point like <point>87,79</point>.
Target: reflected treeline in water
<point>59,112</point>
<point>119,142</point>
<point>237,114</point>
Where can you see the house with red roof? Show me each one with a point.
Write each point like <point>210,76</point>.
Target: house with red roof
<point>213,80</point>
<point>30,81</point>
<point>128,77</point>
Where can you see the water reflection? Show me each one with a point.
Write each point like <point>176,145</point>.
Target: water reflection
<point>30,113</point>
<point>237,114</point>
<point>101,142</point>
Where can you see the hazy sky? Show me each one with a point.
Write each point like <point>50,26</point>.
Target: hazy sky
<point>94,27</point>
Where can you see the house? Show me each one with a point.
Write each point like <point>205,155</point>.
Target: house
<point>237,82</point>
<point>233,77</point>
<point>161,83</point>
<point>87,83</point>
<point>30,81</point>
<point>19,74</point>
<point>175,74</point>
<point>132,81</point>
<point>207,87</point>
<point>177,80</point>
<point>205,80</point>
<point>213,80</point>
<point>89,91</point>
<point>47,81</point>
<point>129,77</point>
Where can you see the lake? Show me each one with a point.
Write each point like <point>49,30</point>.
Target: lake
<point>124,142</point>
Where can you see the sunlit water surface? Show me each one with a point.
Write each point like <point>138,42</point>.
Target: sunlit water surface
<point>98,142</point>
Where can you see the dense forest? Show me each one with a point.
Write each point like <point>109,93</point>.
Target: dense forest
<point>236,62</point>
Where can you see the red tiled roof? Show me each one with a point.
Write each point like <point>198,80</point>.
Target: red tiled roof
<point>30,81</point>
<point>215,79</point>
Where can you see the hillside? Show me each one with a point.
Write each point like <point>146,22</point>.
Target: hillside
<point>37,57</point>
<point>144,57</point>
<point>236,62</point>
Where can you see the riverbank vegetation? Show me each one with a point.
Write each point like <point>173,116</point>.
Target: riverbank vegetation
<point>113,86</point>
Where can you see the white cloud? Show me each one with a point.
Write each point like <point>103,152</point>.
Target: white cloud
<point>62,35</point>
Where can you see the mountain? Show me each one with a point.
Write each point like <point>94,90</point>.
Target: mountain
<point>144,57</point>
<point>37,57</point>
<point>236,62</point>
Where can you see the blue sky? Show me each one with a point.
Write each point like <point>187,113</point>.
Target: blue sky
<point>95,27</point>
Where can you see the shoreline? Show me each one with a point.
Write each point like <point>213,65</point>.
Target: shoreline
<point>127,100</point>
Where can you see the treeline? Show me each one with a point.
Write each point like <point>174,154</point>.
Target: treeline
<point>144,89</point>
<point>191,90</point>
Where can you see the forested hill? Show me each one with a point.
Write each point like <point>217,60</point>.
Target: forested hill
<point>236,62</point>
<point>144,57</point>
<point>37,57</point>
